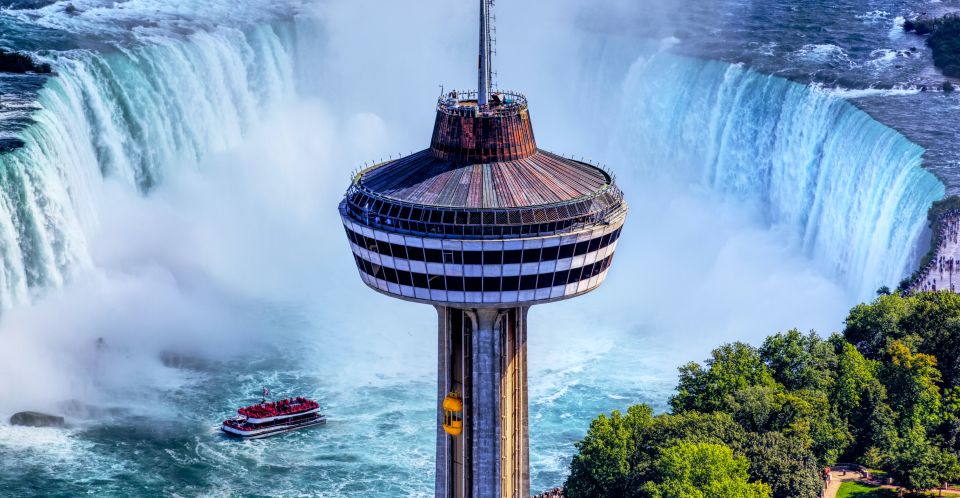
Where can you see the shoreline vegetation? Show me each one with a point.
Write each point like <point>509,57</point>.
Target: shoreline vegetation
<point>768,421</point>
<point>943,37</point>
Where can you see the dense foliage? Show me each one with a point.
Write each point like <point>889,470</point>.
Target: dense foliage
<point>944,40</point>
<point>765,421</point>
<point>699,470</point>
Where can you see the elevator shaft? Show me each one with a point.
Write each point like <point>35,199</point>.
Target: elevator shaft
<point>483,358</point>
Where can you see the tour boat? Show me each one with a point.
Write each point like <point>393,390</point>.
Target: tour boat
<point>270,419</point>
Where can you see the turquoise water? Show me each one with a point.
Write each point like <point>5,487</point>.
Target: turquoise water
<point>378,440</point>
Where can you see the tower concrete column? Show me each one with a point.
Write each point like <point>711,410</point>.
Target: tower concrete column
<point>482,357</point>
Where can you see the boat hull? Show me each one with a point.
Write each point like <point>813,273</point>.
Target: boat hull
<point>273,430</point>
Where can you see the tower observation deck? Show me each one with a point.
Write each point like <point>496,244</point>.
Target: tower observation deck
<point>483,225</point>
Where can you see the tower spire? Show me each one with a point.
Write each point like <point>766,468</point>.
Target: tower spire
<point>486,48</point>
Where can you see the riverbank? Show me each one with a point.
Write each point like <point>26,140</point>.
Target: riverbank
<point>937,267</point>
<point>943,37</point>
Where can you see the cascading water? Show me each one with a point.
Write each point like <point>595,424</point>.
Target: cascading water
<point>127,115</point>
<point>849,190</point>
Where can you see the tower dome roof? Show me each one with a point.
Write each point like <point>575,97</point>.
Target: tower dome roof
<point>483,176</point>
<point>537,180</point>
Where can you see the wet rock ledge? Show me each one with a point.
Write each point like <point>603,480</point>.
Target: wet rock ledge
<point>15,62</point>
<point>36,419</point>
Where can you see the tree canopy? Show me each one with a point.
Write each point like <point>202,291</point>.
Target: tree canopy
<point>703,470</point>
<point>764,421</point>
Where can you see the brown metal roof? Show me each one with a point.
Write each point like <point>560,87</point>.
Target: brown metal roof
<point>540,179</point>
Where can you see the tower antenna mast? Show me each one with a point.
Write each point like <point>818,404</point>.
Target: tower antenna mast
<point>486,54</point>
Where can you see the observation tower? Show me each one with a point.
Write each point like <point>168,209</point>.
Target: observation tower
<point>483,225</point>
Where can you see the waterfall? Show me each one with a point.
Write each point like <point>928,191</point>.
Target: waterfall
<point>850,191</point>
<point>129,115</point>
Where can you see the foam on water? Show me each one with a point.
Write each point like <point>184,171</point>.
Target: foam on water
<point>108,21</point>
<point>859,93</point>
<point>826,53</point>
<point>882,57</point>
<point>874,16</point>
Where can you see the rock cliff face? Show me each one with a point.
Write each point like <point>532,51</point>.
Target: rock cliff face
<point>13,62</point>
<point>36,419</point>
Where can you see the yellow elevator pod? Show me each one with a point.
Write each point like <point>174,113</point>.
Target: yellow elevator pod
<point>453,414</point>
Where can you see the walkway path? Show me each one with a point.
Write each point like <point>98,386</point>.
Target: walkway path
<point>943,272</point>
<point>837,478</point>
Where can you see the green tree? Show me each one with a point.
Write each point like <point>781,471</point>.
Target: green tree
<point>945,42</point>
<point>732,367</point>
<point>668,429</point>
<point>859,403</point>
<point>855,381</point>
<point>868,326</point>
<point>799,361</point>
<point>619,452</point>
<point>786,463</point>
<point>601,467</point>
<point>911,380</point>
<point>934,319</point>
<point>919,465</point>
<point>950,430</point>
<point>804,414</point>
<point>929,321</point>
<point>879,438</point>
<point>703,470</point>
<point>763,409</point>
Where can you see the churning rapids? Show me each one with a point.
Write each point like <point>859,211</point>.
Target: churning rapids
<point>175,194</point>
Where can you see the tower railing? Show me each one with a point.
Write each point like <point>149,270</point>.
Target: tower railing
<point>397,216</point>
<point>453,104</point>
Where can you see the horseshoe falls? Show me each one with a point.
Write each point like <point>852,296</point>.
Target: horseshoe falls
<point>133,116</point>
<point>850,192</point>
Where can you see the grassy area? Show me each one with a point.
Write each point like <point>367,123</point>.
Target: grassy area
<point>857,490</point>
<point>852,489</point>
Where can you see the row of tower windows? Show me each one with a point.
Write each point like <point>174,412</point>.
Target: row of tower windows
<point>375,206</point>
<point>503,257</point>
<point>483,284</point>
<point>377,212</point>
<point>460,230</point>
